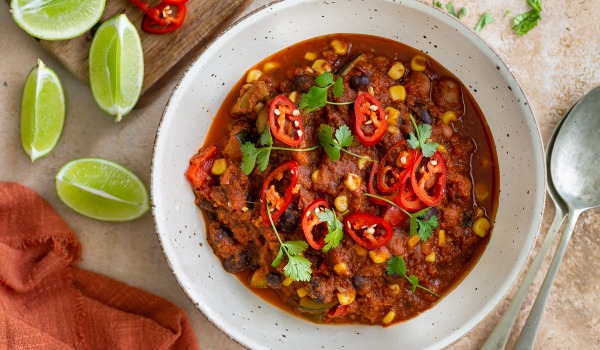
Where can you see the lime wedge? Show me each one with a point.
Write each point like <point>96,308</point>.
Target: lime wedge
<point>102,190</point>
<point>42,111</point>
<point>116,66</point>
<point>56,19</point>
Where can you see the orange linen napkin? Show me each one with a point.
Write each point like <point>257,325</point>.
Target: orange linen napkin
<point>46,302</point>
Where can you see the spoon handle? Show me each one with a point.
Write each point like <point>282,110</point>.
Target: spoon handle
<point>527,338</point>
<point>499,336</point>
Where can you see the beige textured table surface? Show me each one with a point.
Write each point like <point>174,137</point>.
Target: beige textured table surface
<point>556,63</point>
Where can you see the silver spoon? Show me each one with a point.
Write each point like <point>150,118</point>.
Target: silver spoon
<point>498,338</point>
<point>574,171</point>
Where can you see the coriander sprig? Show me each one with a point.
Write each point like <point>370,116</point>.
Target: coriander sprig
<point>460,14</point>
<point>423,132</point>
<point>335,232</point>
<point>316,97</point>
<point>397,266</point>
<point>524,22</point>
<point>333,147</point>
<point>419,225</point>
<point>252,154</point>
<point>298,267</point>
<point>484,20</point>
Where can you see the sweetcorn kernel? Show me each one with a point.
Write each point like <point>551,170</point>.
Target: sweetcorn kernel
<point>397,93</point>
<point>396,71</point>
<point>346,297</point>
<point>310,56</point>
<point>360,250</point>
<point>294,96</point>
<point>389,317</point>
<point>430,257</point>
<point>352,181</point>
<point>219,166</point>
<point>302,292</point>
<point>253,75</point>
<point>321,66</point>
<point>341,269</point>
<point>392,115</point>
<point>339,47</point>
<point>412,241</point>
<point>441,237</point>
<point>270,66</point>
<point>449,117</point>
<point>379,255</point>
<point>481,226</point>
<point>418,63</point>
<point>287,281</point>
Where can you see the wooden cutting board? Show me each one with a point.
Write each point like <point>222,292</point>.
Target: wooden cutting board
<point>163,53</point>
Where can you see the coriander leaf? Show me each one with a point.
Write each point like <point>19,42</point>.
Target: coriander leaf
<point>415,282</point>
<point>396,266</point>
<point>249,154</point>
<point>414,225</point>
<point>324,79</point>
<point>426,228</point>
<point>331,147</point>
<point>450,8</point>
<point>263,158</point>
<point>423,132</point>
<point>298,268</point>
<point>343,136</point>
<point>462,12</point>
<point>485,19</point>
<point>437,4</point>
<point>335,232</point>
<point>338,87</point>
<point>278,258</point>
<point>412,141</point>
<point>429,148</point>
<point>535,4</point>
<point>265,138</point>
<point>295,247</point>
<point>315,97</point>
<point>523,23</point>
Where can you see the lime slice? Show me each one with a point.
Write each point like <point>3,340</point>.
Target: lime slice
<point>56,19</point>
<point>42,111</point>
<point>116,66</point>
<point>102,190</point>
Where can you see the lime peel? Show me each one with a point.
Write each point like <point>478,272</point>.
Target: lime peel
<point>56,20</point>
<point>116,66</point>
<point>101,189</point>
<point>42,111</point>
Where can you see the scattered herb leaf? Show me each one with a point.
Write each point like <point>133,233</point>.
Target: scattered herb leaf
<point>316,97</point>
<point>298,267</point>
<point>484,20</point>
<point>462,13</point>
<point>333,147</point>
<point>252,155</point>
<point>335,230</point>
<point>397,266</point>
<point>524,22</point>
<point>418,224</point>
<point>437,4</point>
<point>450,8</point>
<point>423,132</point>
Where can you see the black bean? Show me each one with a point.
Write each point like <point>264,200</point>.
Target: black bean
<point>303,83</point>
<point>423,113</point>
<point>236,263</point>
<point>288,221</point>
<point>274,280</point>
<point>360,82</point>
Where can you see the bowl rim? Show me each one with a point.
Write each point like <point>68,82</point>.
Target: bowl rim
<point>477,317</point>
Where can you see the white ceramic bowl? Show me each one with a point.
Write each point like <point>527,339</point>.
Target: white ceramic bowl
<point>255,323</point>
